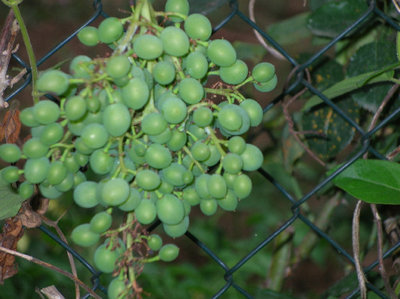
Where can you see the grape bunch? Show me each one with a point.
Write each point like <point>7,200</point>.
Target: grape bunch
<point>143,132</point>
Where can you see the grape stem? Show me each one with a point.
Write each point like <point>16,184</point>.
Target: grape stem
<point>129,242</point>
<point>13,4</point>
<point>187,151</point>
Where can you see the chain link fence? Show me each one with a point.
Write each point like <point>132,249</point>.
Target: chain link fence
<point>299,81</point>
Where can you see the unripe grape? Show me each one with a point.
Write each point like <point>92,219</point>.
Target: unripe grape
<point>178,6</point>
<point>132,202</point>
<point>175,41</point>
<point>135,94</point>
<point>174,110</point>
<point>234,74</point>
<point>203,116</point>
<point>169,252</point>
<point>208,206</point>
<point>147,179</point>
<point>254,110</point>
<point>34,148</point>
<point>81,66</point>
<point>221,52</point>
<point>198,26</point>
<point>116,119</point>
<point>53,81</point>
<point>177,230</point>
<point>110,30</point>
<point>146,212</point>
<point>196,65</point>
<point>118,66</point>
<point>153,124</point>
<point>10,174</point>
<point>89,36</point>
<point>252,158</point>
<point>170,209</point>
<point>191,91</point>
<point>10,152</point>
<point>263,72</point>
<point>46,112</point>
<point>100,222</point>
<point>83,236</point>
<point>267,86</point>
<point>242,186</point>
<point>148,47</point>
<point>164,72</point>
<point>155,242</point>
<point>85,194</point>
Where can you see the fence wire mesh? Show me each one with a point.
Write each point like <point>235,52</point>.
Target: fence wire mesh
<point>300,81</point>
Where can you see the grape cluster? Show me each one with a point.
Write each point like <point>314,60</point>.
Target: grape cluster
<point>139,130</point>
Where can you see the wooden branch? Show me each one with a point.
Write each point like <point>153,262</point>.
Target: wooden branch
<point>7,39</point>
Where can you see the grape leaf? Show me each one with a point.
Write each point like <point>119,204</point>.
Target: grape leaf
<point>10,201</point>
<point>370,57</point>
<point>372,181</point>
<point>249,51</point>
<point>335,132</point>
<point>291,30</point>
<point>332,18</point>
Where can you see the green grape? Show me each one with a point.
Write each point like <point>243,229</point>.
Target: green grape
<point>37,131</point>
<point>116,119</point>
<point>198,26</point>
<point>147,179</point>
<point>148,47</point>
<point>100,222</point>
<point>79,177</point>
<point>138,160</point>
<point>118,66</point>
<point>121,82</point>
<point>153,124</point>
<point>85,194</point>
<point>35,170</point>
<point>93,104</point>
<point>66,184</point>
<point>115,288</point>
<point>71,164</point>
<point>115,192</point>
<point>170,209</point>
<point>188,177</point>
<point>81,66</point>
<point>208,206</point>
<point>10,174</point>
<point>196,65</point>
<point>242,186</point>
<point>177,141</point>
<point>254,110</point>
<point>230,118</point>
<point>139,147</point>
<point>81,147</point>
<point>175,41</point>
<point>49,191</point>
<point>25,190</point>
<point>162,138</point>
<point>267,86</point>
<point>177,6</point>
<point>263,72</point>
<point>232,163</point>
<point>10,152</point>
<point>51,134</point>
<point>229,202</point>
<point>200,151</point>
<point>174,110</point>
<point>191,91</point>
<point>46,112</point>
<point>173,174</point>
<point>252,158</point>
<point>165,187</point>
<point>94,135</point>
<point>203,117</point>
<point>216,186</point>
<point>75,108</point>
<point>83,236</point>
<point>57,173</point>
<point>76,127</point>
<point>221,52</point>
<point>245,122</point>
<point>53,81</point>
<point>158,156</point>
<point>164,72</point>
<point>34,148</point>
<point>146,212</point>
<point>154,242</point>
<point>135,94</point>
<point>177,230</point>
<point>110,30</point>
<point>229,179</point>
<point>105,258</point>
<point>234,74</point>
<point>27,117</point>
<point>215,156</point>
<point>101,162</point>
<point>190,196</point>
<point>132,202</point>
<point>201,186</point>
<point>188,208</point>
<point>236,145</point>
<point>89,36</point>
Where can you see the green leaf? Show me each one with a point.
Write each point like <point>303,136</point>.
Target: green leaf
<point>315,4</point>
<point>370,57</point>
<point>372,181</point>
<point>291,30</point>
<point>332,18</point>
<point>249,51</point>
<point>351,84</point>
<point>10,201</point>
<point>334,132</point>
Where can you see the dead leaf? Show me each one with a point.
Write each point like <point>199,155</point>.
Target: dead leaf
<point>51,292</point>
<point>10,126</point>
<point>12,233</point>
<point>28,216</point>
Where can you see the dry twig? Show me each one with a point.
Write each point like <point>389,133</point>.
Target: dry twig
<point>52,267</point>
